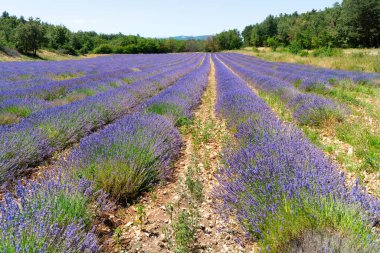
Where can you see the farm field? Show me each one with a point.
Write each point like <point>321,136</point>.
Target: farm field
<point>188,152</point>
<point>352,59</point>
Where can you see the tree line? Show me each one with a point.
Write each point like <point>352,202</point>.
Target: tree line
<point>353,23</point>
<point>29,35</point>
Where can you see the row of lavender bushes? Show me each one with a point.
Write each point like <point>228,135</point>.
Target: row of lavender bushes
<point>128,156</point>
<point>123,66</point>
<point>23,102</point>
<point>306,76</point>
<point>48,131</point>
<point>122,160</point>
<point>308,109</point>
<point>282,189</point>
<point>17,75</point>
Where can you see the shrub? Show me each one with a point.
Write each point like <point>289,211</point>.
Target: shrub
<point>127,157</point>
<point>273,43</point>
<point>48,216</point>
<point>295,48</point>
<point>103,49</point>
<point>327,52</point>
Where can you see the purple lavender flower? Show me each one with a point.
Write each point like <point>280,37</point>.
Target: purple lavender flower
<point>273,167</point>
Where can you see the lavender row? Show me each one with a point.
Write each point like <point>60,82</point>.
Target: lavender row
<point>308,109</point>
<point>38,137</point>
<point>124,159</point>
<point>178,101</point>
<point>274,174</point>
<point>307,76</point>
<point>79,88</point>
<point>56,213</point>
<point>111,74</point>
<point>27,74</point>
<point>130,155</point>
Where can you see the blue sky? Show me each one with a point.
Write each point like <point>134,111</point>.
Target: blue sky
<point>153,18</point>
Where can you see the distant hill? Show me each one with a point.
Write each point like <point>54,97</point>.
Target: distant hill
<point>182,37</point>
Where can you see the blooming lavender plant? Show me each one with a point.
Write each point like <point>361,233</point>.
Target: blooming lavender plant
<point>56,128</point>
<point>310,109</point>
<point>66,91</point>
<point>130,155</point>
<point>307,108</point>
<point>178,101</point>
<point>51,215</point>
<point>278,184</point>
<point>308,75</point>
<point>127,157</point>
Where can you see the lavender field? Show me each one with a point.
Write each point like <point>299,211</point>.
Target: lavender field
<point>188,152</point>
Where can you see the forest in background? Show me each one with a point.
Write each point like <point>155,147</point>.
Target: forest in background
<point>351,24</point>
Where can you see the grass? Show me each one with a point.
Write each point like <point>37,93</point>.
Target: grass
<point>352,59</point>
<point>171,110</point>
<point>320,116</point>
<point>194,185</point>
<point>79,94</point>
<point>366,144</point>
<point>13,114</point>
<point>362,137</point>
<point>43,55</point>
<point>294,220</point>
<point>359,95</point>
<point>54,94</point>
<point>127,80</point>
<point>65,76</point>
<point>123,179</point>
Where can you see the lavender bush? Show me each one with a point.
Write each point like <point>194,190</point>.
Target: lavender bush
<point>127,157</point>
<point>56,128</point>
<point>306,75</point>
<point>307,108</point>
<point>57,93</point>
<point>278,184</point>
<point>51,215</point>
<point>178,101</point>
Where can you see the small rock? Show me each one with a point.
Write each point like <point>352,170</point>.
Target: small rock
<point>208,231</point>
<point>162,238</point>
<point>350,151</point>
<point>129,224</point>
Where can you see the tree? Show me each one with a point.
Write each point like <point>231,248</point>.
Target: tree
<point>272,43</point>
<point>246,33</point>
<point>58,36</point>
<point>361,22</point>
<point>229,40</point>
<point>29,36</point>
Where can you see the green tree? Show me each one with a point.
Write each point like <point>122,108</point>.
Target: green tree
<point>246,33</point>
<point>229,40</point>
<point>30,36</point>
<point>361,22</point>
<point>58,36</point>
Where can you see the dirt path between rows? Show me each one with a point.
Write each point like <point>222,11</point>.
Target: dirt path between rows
<point>153,224</point>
